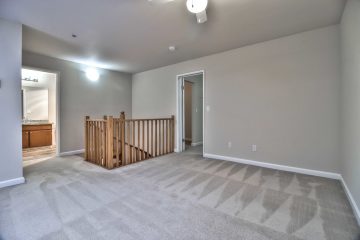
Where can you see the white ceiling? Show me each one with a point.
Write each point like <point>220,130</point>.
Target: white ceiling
<point>134,35</point>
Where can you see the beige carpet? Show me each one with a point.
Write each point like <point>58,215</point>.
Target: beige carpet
<point>179,196</point>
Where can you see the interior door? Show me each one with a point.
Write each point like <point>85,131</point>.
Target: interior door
<point>183,113</point>
<point>188,111</point>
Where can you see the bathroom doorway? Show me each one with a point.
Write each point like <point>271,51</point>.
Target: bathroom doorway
<point>40,118</point>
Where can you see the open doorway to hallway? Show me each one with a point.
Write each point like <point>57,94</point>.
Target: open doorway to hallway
<point>191,111</point>
<point>39,115</point>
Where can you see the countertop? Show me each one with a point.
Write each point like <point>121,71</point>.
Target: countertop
<point>36,123</point>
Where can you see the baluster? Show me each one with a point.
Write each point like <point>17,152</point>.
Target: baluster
<point>142,143</point>
<point>147,139</point>
<point>123,146</point>
<point>163,139</point>
<point>156,138</point>
<point>152,138</point>
<point>128,160</point>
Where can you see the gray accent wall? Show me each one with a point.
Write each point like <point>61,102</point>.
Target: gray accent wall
<point>282,95</point>
<point>10,101</point>
<point>350,39</point>
<point>79,97</point>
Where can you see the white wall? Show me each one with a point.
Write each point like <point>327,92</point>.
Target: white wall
<point>350,39</point>
<point>80,97</point>
<point>10,103</point>
<point>282,95</point>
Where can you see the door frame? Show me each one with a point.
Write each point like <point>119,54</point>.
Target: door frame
<point>180,109</point>
<point>57,102</point>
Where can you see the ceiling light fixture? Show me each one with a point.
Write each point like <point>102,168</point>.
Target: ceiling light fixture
<point>196,6</point>
<point>172,48</point>
<point>92,74</point>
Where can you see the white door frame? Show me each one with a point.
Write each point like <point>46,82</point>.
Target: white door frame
<point>57,102</point>
<point>179,109</point>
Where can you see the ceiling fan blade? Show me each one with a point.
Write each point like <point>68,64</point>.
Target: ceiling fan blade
<point>161,1</point>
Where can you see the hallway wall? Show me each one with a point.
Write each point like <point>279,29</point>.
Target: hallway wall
<point>10,103</point>
<point>350,121</point>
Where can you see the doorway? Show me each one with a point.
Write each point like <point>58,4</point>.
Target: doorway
<point>190,111</point>
<point>40,118</point>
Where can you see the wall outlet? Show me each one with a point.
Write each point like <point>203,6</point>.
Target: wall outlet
<point>229,144</point>
<point>253,148</point>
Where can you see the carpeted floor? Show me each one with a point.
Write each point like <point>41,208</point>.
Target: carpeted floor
<point>179,196</point>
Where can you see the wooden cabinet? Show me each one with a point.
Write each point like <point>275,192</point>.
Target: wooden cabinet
<point>25,139</point>
<point>38,135</point>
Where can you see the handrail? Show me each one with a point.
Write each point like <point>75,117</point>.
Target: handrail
<point>128,120</point>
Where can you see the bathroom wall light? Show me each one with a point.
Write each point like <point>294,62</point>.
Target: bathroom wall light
<point>92,74</point>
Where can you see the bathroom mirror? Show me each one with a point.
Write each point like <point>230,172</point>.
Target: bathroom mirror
<point>35,103</point>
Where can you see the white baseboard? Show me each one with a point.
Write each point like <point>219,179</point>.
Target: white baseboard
<point>276,166</point>
<point>351,200</point>
<point>63,154</point>
<point>12,182</point>
<point>196,144</point>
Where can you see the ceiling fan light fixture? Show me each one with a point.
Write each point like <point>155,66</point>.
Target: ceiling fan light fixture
<point>196,6</point>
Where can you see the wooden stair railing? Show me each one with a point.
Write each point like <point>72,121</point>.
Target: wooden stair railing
<point>115,142</point>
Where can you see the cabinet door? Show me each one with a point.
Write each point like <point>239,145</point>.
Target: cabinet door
<point>25,139</point>
<point>40,138</point>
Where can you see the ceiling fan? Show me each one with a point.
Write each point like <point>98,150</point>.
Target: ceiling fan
<point>197,7</point>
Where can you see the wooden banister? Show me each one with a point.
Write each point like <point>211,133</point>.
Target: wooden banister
<point>86,137</point>
<point>115,142</point>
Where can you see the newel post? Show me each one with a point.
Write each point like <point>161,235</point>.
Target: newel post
<point>86,127</point>
<point>122,126</point>
<point>173,133</point>
<point>122,115</point>
<point>109,162</point>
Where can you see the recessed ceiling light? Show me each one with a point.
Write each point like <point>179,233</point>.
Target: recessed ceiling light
<point>92,74</point>
<point>172,48</point>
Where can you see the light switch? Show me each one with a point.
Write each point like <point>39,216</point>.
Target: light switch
<point>208,108</point>
<point>254,148</point>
